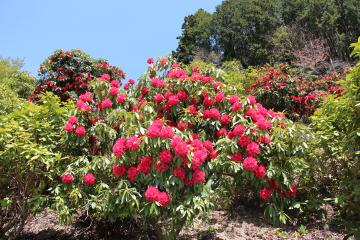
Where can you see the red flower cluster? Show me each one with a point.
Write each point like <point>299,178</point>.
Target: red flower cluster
<point>152,194</point>
<point>297,96</point>
<point>68,73</point>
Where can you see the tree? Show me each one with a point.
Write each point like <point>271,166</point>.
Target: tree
<point>67,74</point>
<point>241,29</point>
<point>196,36</point>
<point>15,85</point>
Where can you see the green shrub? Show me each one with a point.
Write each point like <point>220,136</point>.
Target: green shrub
<point>67,74</point>
<point>15,85</point>
<point>30,140</point>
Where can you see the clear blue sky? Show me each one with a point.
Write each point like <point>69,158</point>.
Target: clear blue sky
<point>126,32</point>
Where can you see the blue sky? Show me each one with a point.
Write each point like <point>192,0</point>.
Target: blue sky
<point>124,32</point>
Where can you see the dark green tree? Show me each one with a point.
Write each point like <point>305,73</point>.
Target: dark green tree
<point>242,29</point>
<point>196,36</point>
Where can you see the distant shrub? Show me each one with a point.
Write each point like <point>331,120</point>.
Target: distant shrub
<point>67,74</point>
<point>296,96</point>
<point>30,139</point>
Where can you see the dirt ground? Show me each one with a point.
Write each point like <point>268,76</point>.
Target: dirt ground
<point>245,224</point>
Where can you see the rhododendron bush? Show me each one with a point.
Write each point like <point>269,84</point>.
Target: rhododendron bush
<point>67,74</point>
<point>276,89</point>
<point>151,151</point>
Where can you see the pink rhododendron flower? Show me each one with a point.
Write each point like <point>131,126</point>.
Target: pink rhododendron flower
<point>113,91</point>
<point>251,99</point>
<point>265,193</point>
<point>166,132</point>
<point>263,124</point>
<point>192,109</point>
<point>151,193</point>
<point>182,95</point>
<point>180,173</point>
<point>221,132</point>
<point>145,165</point>
<point>89,179</point>
<point>181,125</point>
<point>114,83</point>
<point>225,119</point>
<point>166,156</point>
<point>236,107</point>
<point>250,164</point>
<point>133,143</point>
<point>145,91</point>
<point>72,120</point>
<point>132,173</point>
<point>67,178</point>
<point>179,146</point>
<point>118,170</point>
<point>107,103</point>
<point>105,76</point>
<point>121,98</point>
<point>260,172</point>
<point>173,100</point>
<point>208,102</point>
<point>163,198</point>
<point>233,99</point>
<point>82,106</point>
<point>239,130</point>
<point>236,157</point>
<point>119,147</point>
<point>80,131</point>
<point>264,139</point>
<point>214,113</point>
<point>159,98</point>
<point>219,97</point>
<point>86,97</point>
<point>253,149</point>
<point>243,141</point>
<point>198,176</point>
<point>69,127</point>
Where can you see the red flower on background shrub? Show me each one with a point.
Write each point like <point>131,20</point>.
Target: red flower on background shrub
<point>265,193</point>
<point>253,149</point>
<point>166,156</point>
<point>180,173</point>
<point>133,143</point>
<point>198,176</point>
<point>237,157</point>
<point>119,147</point>
<point>250,164</point>
<point>72,120</point>
<point>89,179</point>
<point>163,198</point>
<point>121,98</point>
<point>179,146</point>
<point>118,170</point>
<point>107,103</point>
<point>132,173</point>
<point>152,193</point>
<point>260,171</point>
<point>243,141</point>
<point>69,127</point>
<point>145,165</point>
<point>292,191</point>
<point>239,130</point>
<point>80,131</point>
<point>67,178</point>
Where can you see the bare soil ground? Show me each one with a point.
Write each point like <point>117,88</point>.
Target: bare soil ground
<point>220,225</point>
